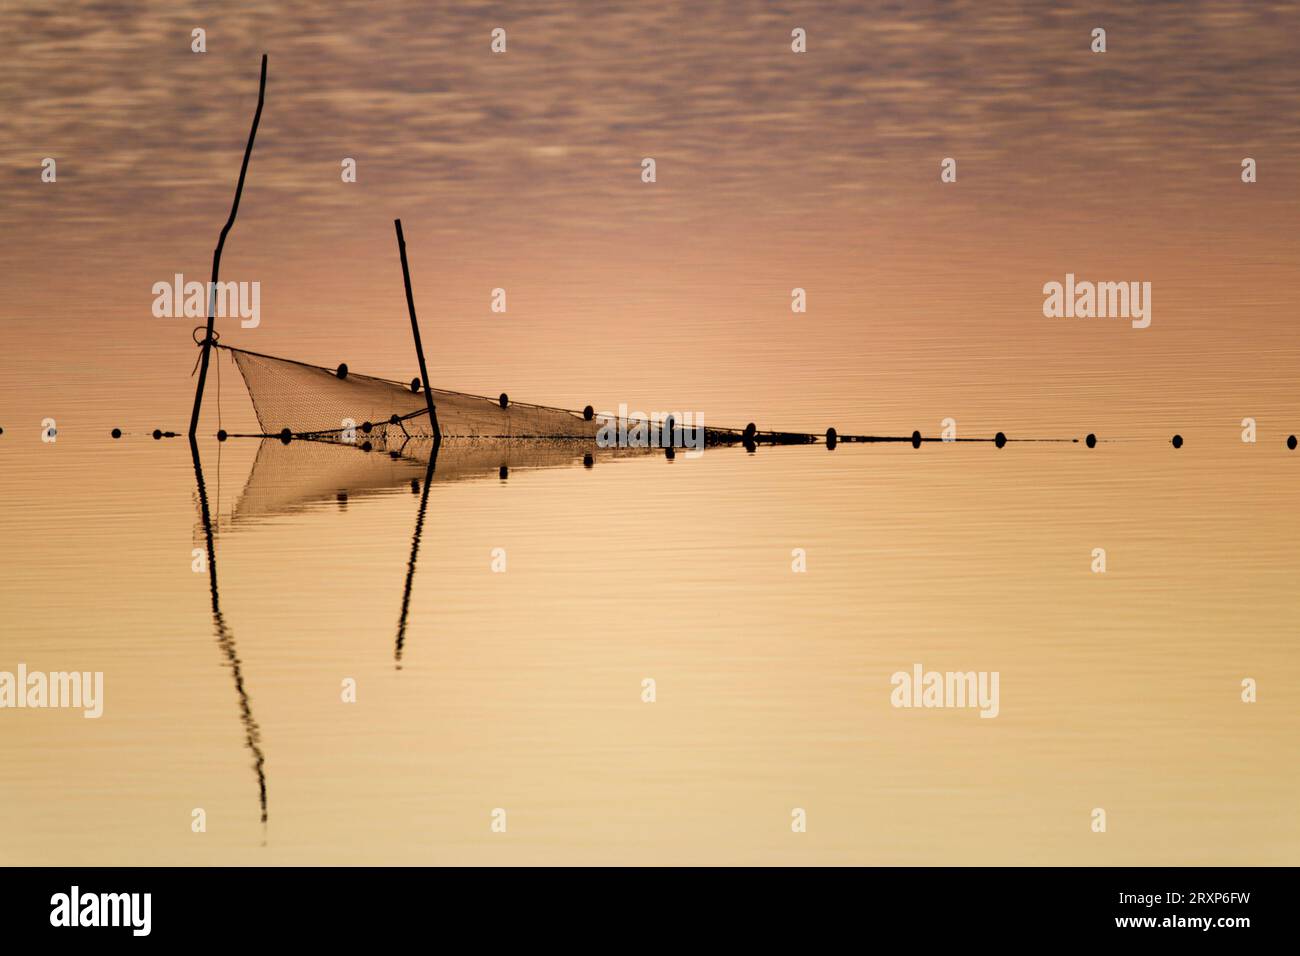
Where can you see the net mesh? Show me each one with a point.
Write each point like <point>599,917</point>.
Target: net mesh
<point>312,400</point>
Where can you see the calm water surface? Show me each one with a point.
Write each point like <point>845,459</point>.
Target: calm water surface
<point>522,690</point>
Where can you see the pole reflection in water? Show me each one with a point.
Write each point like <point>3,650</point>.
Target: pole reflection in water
<point>415,551</point>
<point>226,639</point>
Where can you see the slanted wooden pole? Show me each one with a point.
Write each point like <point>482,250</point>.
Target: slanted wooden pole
<point>216,256</point>
<point>415,330</point>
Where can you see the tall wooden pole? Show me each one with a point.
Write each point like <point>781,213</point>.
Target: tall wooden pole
<point>216,256</point>
<point>415,330</point>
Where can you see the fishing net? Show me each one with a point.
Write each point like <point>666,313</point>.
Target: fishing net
<point>310,400</point>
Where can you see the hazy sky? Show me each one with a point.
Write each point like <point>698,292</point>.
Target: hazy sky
<point>522,170</point>
<point>546,139</point>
